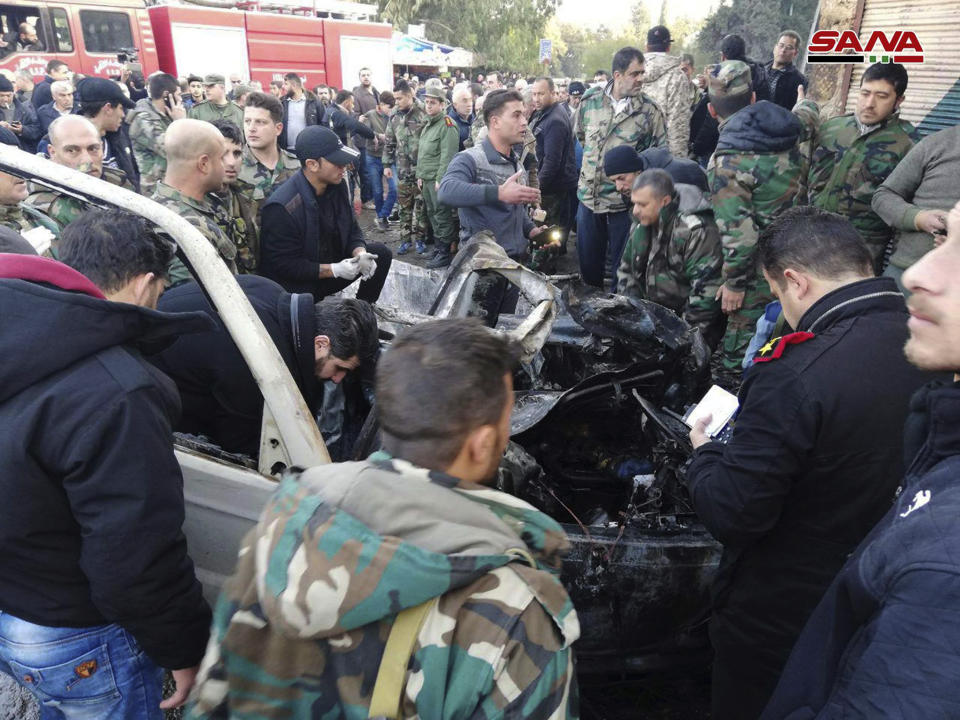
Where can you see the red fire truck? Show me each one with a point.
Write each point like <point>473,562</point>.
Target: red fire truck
<point>182,39</point>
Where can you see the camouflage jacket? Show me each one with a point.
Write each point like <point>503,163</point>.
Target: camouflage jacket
<point>206,110</point>
<point>147,127</point>
<point>670,88</point>
<point>526,151</point>
<point>757,171</point>
<point>264,180</point>
<point>600,128</point>
<point>403,141</point>
<point>236,203</point>
<point>439,142</point>
<point>23,218</point>
<point>64,209</point>
<point>848,167</point>
<point>300,628</point>
<point>205,217</point>
<point>677,262</point>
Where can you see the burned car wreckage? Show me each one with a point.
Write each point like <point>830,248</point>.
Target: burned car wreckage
<point>597,437</point>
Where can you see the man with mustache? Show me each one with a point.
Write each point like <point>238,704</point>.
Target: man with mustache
<point>816,454</point>
<point>882,642</point>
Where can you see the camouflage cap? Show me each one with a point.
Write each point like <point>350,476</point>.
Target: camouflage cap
<point>732,78</point>
<point>214,79</point>
<point>437,93</point>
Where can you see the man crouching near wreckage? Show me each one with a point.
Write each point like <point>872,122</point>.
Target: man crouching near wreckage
<point>402,586</point>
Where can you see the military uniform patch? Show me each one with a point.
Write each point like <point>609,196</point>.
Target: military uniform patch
<point>449,121</point>
<point>774,349</point>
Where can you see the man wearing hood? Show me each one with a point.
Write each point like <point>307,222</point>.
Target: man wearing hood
<point>668,85</point>
<point>406,565</point>
<point>221,399</point>
<point>148,122</point>
<point>855,153</point>
<point>99,593</point>
<point>673,254</point>
<point>757,172</point>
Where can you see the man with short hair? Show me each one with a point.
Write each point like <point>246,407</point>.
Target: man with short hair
<point>15,212</point>
<point>757,172</point>
<point>853,154</point>
<point>439,141</point>
<point>492,82</point>
<point>668,86</point>
<point>366,98</point>
<point>556,157</point>
<point>101,593</point>
<point>341,119</point>
<point>221,399</point>
<point>617,113</point>
<point>148,121</point>
<point>62,104</point>
<point>217,105</point>
<point>75,143</point>
<point>56,70</point>
<point>266,165</point>
<point>914,198</point>
<point>814,460</point>
<point>673,254</point>
<point>195,94</point>
<point>311,241</point>
<point>377,120</point>
<point>235,200</point>
<point>23,85</point>
<point>276,88</point>
<point>299,111</point>
<point>881,642</point>
<point>103,103</point>
<point>461,111</point>
<point>400,159</point>
<point>601,78</point>
<point>27,40</point>
<point>19,118</point>
<point>686,64</point>
<point>414,538</point>
<point>194,150</point>
<point>783,78</point>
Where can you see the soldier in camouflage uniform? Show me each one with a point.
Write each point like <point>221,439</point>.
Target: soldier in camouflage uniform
<point>400,158</point>
<point>615,114</point>
<point>757,171</point>
<point>346,554</point>
<point>265,166</point>
<point>439,142</point>
<point>855,153</point>
<point>673,254</point>
<point>148,122</point>
<point>185,190</point>
<point>75,143</point>
<point>15,213</point>
<point>235,201</point>
<point>217,106</point>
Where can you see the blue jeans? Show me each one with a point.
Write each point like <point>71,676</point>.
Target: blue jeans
<point>95,673</point>
<point>375,176</point>
<point>596,232</point>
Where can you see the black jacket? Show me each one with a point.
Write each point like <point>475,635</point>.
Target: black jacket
<point>557,170</point>
<point>292,246</point>
<point>220,397</point>
<point>344,125</point>
<point>814,461</point>
<point>30,131</point>
<point>91,530</point>
<point>782,85</point>
<point>46,114</point>
<point>122,150</point>
<point>313,112</point>
<point>41,93</point>
<point>883,642</point>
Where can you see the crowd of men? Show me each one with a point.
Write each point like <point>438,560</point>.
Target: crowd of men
<point>402,585</point>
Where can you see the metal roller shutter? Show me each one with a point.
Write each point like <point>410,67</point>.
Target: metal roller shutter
<point>933,91</point>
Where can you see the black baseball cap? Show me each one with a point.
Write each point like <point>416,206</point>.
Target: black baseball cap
<point>94,89</point>
<point>658,35</point>
<point>576,88</point>
<point>317,142</point>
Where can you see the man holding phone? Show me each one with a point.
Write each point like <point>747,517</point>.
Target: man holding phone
<point>17,117</point>
<point>148,121</point>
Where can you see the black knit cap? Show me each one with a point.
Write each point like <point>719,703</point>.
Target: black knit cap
<point>5,85</point>
<point>621,159</point>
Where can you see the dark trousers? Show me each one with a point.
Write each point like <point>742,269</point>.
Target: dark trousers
<point>366,188</point>
<point>557,208</point>
<point>368,290</point>
<point>601,238</point>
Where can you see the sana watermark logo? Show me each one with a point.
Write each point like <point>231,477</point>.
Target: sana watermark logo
<point>834,46</point>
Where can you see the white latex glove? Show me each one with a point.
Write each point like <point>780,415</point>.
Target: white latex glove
<point>368,264</point>
<point>346,269</point>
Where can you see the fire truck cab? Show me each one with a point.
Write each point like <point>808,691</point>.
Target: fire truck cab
<point>86,34</point>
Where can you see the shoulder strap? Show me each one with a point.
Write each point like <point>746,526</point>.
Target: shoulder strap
<point>392,675</point>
